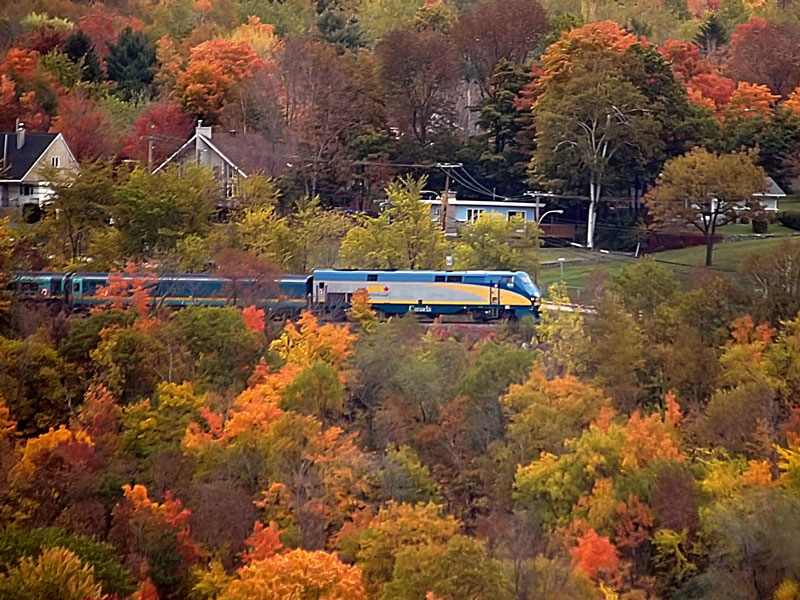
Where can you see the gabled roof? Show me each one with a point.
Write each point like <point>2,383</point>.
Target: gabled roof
<point>773,189</point>
<point>19,162</point>
<point>247,153</point>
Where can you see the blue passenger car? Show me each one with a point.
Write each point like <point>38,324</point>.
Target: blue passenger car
<point>482,295</point>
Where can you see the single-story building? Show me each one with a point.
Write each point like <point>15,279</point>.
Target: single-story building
<point>23,156</point>
<point>461,212</point>
<point>769,199</point>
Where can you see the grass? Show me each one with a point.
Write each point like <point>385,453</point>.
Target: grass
<point>739,229</point>
<point>727,257</point>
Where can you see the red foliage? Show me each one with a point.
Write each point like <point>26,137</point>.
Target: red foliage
<point>165,124</point>
<point>86,127</point>
<point>791,428</point>
<point>44,39</point>
<point>264,542</point>
<point>594,555</point>
<point>714,87</point>
<point>685,59</point>
<point>99,27</point>
<point>253,319</point>
<point>767,53</point>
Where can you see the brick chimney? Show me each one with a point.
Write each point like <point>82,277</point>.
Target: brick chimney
<point>20,134</point>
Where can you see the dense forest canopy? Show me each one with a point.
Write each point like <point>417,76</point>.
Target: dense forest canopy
<point>646,448</point>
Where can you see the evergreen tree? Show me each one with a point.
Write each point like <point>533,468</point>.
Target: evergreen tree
<point>131,62</point>
<point>335,28</point>
<point>712,35</point>
<point>78,48</point>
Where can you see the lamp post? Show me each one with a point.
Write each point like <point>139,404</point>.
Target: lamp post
<point>561,264</point>
<point>556,211</point>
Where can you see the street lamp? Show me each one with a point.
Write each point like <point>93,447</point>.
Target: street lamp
<point>556,211</point>
<point>561,264</point>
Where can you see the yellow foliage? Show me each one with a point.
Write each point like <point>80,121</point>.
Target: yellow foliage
<point>310,342</point>
<point>36,449</point>
<point>787,590</point>
<point>648,439</point>
<point>261,38</point>
<point>298,575</point>
<point>55,573</point>
<point>361,310</point>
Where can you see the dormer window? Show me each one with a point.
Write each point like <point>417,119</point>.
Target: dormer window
<point>55,161</point>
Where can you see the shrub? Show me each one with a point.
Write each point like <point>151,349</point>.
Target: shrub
<point>760,225</point>
<point>790,219</point>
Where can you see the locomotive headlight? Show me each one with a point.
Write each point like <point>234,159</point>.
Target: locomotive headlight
<point>537,300</point>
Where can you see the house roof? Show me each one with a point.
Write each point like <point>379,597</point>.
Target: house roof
<point>248,153</point>
<point>251,152</point>
<point>773,189</point>
<point>19,162</point>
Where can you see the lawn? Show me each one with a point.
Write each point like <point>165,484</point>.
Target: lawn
<point>727,257</point>
<point>739,229</point>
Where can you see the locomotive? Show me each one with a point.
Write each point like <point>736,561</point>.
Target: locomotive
<point>475,295</point>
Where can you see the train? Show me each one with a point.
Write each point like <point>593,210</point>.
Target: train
<point>473,295</point>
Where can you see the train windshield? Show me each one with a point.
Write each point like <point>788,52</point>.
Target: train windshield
<point>524,281</point>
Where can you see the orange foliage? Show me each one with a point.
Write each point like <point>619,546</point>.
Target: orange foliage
<point>147,591</point>
<point>700,100</point>
<point>793,102</point>
<point>298,574</point>
<point>605,37</point>
<point>604,419</point>
<point>310,343</point>
<point>236,59</point>
<point>8,428</point>
<point>594,555</point>
<point>99,417</point>
<point>20,64</point>
<point>758,473</point>
<point>130,289</point>
<point>673,415</point>
<point>648,439</point>
<point>263,543</point>
<point>75,447</point>
<point>750,100</point>
<point>791,428</point>
<point>744,331</point>
<point>253,319</point>
<point>684,58</point>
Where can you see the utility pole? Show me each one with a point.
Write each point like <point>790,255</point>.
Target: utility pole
<point>446,194</point>
<point>149,153</point>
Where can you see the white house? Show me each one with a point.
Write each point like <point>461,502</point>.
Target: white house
<point>24,155</point>
<point>230,155</point>
<point>460,212</point>
<point>769,199</point>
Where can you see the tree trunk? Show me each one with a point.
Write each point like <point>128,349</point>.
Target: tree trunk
<point>709,247</point>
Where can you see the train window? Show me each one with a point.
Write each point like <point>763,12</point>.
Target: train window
<point>76,286</point>
<point>321,284</point>
<point>454,278</point>
<point>507,280</point>
<point>372,277</point>
<point>438,278</point>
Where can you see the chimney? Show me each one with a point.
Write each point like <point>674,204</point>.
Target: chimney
<point>20,134</point>
<point>232,133</point>
<point>204,131</point>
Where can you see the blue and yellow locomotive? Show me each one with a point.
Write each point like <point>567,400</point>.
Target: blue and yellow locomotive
<point>477,295</point>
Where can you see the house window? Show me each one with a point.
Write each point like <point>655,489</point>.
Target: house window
<point>473,214</point>
<point>26,189</point>
<point>516,214</point>
<point>55,161</point>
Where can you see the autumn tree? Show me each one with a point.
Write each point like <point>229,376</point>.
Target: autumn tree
<point>419,71</point>
<point>766,53</point>
<point>589,112</point>
<point>55,571</point>
<point>158,131</point>
<point>79,119</point>
<point>319,575</point>
<point>402,237</point>
<point>489,32</point>
<point>775,276</point>
<point>705,191</point>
